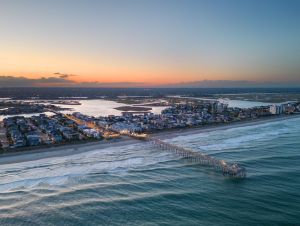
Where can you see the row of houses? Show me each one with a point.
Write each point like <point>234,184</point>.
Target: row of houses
<point>58,128</point>
<point>42,129</point>
<point>21,132</point>
<point>192,113</point>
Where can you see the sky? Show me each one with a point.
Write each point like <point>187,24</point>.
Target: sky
<point>149,43</point>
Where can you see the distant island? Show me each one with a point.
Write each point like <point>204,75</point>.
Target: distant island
<point>14,107</point>
<point>133,108</point>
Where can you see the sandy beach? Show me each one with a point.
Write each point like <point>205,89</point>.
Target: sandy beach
<point>72,149</point>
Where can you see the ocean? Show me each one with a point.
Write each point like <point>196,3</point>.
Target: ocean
<point>137,184</point>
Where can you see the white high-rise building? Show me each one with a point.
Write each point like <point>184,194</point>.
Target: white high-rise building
<point>276,109</point>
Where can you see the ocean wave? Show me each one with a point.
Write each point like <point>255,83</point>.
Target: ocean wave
<point>58,171</point>
<point>235,138</point>
<point>28,183</point>
<point>241,141</point>
<point>61,170</point>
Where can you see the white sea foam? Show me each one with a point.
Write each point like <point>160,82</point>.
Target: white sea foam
<point>59,171</point>
<point>63,170</point>
<point>235,138</point>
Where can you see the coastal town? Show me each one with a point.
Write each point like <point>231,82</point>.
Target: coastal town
<point>19,132</point>
<point>13,107</point>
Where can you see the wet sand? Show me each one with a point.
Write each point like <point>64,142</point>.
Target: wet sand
<point>63,150</point>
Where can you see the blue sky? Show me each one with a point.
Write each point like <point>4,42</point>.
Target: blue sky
<point>151,41</point>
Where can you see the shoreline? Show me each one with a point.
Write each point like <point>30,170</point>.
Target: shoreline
<point>73,149</point>
<point>168,134</point>
<point>60,151</point>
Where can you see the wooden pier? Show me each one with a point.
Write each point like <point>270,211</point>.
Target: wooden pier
<point>230,170</point>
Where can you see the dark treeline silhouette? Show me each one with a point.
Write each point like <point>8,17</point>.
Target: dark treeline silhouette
<point>95,93</point>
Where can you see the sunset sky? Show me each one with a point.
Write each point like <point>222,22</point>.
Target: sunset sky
<point>154,42</point>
